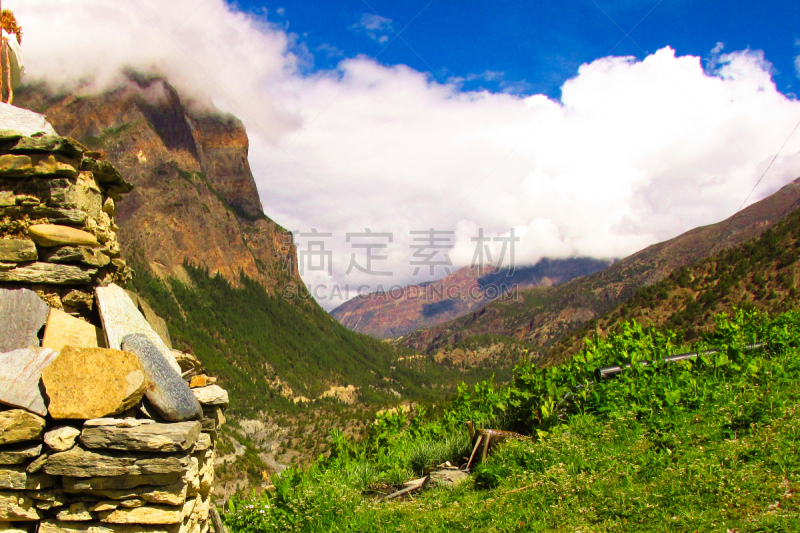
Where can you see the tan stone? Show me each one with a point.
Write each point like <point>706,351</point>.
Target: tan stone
<point>21,453</point>
<point>18,425</point>
<point>62,438</point>
<point>63,329</point>
<point>16,478</point>
<point>15,506</point>
<point>53,526</point>
<point>8,527</point>
<point>50,165</point>
<point>201,381</point>
<point>150,514</point>
<point>53,235</point>
<point>211,395</point>
<point>106,505</point>
<point>18,250</point>
<point>79,462</point>
<point>7,198</point>
<point>118,487</point>
<point>85,383</point>
<point>15,166</point>
<point>77,512</point>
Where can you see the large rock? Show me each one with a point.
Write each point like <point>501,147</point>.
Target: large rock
<point>16,478</point>
<point>15,506</point>
<point>54,526</point>
<point>18,250</point>
<point>77,512</point>
<point>20,453</point>
<point>112,434</point>
<point>57,215</point>
<point>169,394</point>
<point>155,514</point>
<point>85,383</point>
<point>211,395</point>
<point>65,330</point>
<point>79,462</point>
<point>18,425</point>
<point>55,235</point>
<point>20,372</point>
<point>23,121</point>
<point>62,438</point>
<point>22,314</point>
<point>121,317</point>
<point>107,486</point>
<point>155,321</point>
<point>48,274</point>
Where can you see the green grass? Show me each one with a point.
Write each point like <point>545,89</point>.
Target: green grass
<point>704,445</point>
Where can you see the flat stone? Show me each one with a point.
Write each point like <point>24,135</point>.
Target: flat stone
<point>7,199</point>
<point>50,164</point>
<point>105,505</point>
<point>15,506</point>
<point>55,235</point>
<point>63,329</point>
<point>144,438</point>
<point>121,317</point>
<point>174,494</point>
<point>215,414</point>
<point>166,390</point>
<point>203,442</point>
<point>22,314</point>
<point>105,486</point>
<point>15,166</point>
<point>77,512</point>
<point>118,422</point>
<point>86,383</point>
<point>20,373</point>
<point>150,514</point>
<point>54,496</point>
<point>18,250</point>
<point>62,438</point>
<point>18,425</point>
<point>79,462</point>
<point>20,453</point>
<point>76,254</point>
<point>56,215</point>
<point>23,122</point>
<point>16,478</point>
<point>49,143</point>
<point>48,274</point>
<point>201,381</point>
<point>187,361</point>
<point>52,526</point>
<point>211,395</point>
<point>155,321</point>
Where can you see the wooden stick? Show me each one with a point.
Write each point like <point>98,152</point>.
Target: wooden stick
<point>219,527</point>
<point>486,447</point>
<point>8,76</point>
<point>406,490</point>
<point>475,449</point>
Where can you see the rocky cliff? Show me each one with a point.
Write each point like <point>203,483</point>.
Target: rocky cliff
<point>399,312</point>
<point>194,198</point>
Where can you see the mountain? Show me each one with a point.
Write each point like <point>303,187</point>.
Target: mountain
<point>761,274</point>
<point>399,312</point>
<point>537,318</point>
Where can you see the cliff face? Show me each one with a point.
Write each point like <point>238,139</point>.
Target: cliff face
<point>195,199</point>
<point>400,312</point>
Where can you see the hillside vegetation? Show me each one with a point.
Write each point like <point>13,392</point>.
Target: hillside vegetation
<point>761,274</point>
<point>709,444</point>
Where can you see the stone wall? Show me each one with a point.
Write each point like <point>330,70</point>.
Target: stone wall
<point>103,427</point>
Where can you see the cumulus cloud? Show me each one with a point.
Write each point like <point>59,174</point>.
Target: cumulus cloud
<point>374,26</point>
<point>634,151</point>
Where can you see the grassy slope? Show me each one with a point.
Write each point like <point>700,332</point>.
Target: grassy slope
<point>708,445</point>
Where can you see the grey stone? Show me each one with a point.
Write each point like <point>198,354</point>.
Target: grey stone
<point>143,438</point>
<point>49,143</point>
<point>22,314</point>
<point>121,317</point>
<point>79,462</point>
<point>18,250</point>
<point>48,274</point>
<point>16,478</point>
<point>53,526</point>
<point>448,477</point>
<point>169,394</point>
<point>55,215</point>
<point>18,425</point>
<point>20,372</point>
<point>211,395</point>
<point>20,453</point>
<point>76,254</point>
<point>62,438</point>
<point>106,485</point>
<point>155,321</point>
<point>23,121</point>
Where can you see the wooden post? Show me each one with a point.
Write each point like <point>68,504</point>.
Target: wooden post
<point>2,48</point>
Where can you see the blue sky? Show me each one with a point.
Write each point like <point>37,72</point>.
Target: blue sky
<point>533,47</point>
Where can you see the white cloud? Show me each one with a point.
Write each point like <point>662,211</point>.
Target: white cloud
<point>374,26</point>
<point>633,153</point>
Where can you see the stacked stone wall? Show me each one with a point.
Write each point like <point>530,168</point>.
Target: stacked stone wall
<point>103,427</point>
